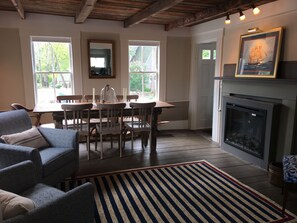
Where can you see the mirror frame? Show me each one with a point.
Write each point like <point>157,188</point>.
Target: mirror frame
<point>113,67</point>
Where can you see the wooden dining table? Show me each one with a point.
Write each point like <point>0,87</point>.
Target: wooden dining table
<point>58,116</point>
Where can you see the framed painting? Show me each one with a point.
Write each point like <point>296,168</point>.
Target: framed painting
<point>259,54</point>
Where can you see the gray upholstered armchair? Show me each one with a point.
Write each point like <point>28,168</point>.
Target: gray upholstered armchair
<point>51,204</point>
<point>53,163</point>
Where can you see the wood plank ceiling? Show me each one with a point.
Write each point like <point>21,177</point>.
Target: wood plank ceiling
<point>170,13</point>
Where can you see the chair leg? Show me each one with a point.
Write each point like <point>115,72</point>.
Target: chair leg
<point>101,146</point>
<point>96,140</point>
<point>88,146</point>
<point>285,196</point>
<point>132,140</point>
<point>120,146</point>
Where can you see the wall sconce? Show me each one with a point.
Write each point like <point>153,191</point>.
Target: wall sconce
<point>227,21</point>
<point>254,30</point>
<point>241,15</point>
<point>256,10</point>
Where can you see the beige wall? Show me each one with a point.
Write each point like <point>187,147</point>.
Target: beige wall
<point>87,83</point>
<point>178,68</point>
<point>11,73</point>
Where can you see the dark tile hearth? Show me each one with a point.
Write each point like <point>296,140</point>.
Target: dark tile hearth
<point>183,146</point>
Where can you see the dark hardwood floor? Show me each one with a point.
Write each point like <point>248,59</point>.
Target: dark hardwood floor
<point>183,146</point>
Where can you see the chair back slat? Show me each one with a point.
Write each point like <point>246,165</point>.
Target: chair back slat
<point>69,98</point>
<point>89,98</point>
<point>110,116</point>
<point>142,113</point>
<point>130,97</point>
<point>76,116</point>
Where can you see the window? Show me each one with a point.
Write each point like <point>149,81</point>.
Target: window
<point>206,54</point>
<point>52,68</point>
<point>144,69</point>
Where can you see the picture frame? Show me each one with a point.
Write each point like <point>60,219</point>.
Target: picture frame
<point>259,54</point>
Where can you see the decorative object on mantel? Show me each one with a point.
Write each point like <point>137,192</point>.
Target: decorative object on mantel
<point>286,71</point>
<point>259,54</point>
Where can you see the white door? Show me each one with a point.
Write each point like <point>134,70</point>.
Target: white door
<point>205,72</point>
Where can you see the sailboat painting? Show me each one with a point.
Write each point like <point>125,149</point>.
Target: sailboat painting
<point>259,54</point>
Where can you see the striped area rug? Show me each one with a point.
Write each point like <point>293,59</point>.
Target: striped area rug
<point>185,192</point>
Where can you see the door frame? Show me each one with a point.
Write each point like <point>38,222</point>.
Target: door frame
<point>206,37</point>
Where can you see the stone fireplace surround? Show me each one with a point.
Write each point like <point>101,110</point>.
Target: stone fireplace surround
<point>281,90</point>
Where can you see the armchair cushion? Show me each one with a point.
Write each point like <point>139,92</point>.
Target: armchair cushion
<point>13,204</point>
<point>50,161</point>
<point>55,162</point>
<point>30,138</point>
<point>52,205</point>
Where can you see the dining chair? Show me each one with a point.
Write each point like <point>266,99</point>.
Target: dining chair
<point>94,120</point>
<point>111,123</point>
<point>141,121</point>
<point>36,117</point>
<point>77,117</point>
<point>130,97</point>
<point>69,98</point>
<point>33,116</point>
<point>89,98</point>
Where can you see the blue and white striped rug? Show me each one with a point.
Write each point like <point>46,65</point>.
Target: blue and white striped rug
<point>186,192</point>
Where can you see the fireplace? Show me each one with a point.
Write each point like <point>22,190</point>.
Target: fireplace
<point>249,126</point>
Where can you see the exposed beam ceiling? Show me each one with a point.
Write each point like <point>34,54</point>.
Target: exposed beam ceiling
<point>19,7</point>
<point>84,11</point>
<point>169,13</point>
<point>151,10</point>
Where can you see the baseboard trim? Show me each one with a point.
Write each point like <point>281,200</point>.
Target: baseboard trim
<point>174,125</point>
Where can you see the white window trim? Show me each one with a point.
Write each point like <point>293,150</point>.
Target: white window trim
<point>148,43</point>
<point>162,39</point>
<point>51,39</point>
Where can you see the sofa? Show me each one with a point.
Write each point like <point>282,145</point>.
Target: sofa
<point>37,202</point>
<point>54,162</point>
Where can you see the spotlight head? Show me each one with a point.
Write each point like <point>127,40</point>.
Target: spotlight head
<point>256,10</point>
<point>227,21</point>
<point>241,15</point>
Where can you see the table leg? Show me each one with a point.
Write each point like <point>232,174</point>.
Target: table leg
<point>153,139</point>
<point>58,118</point>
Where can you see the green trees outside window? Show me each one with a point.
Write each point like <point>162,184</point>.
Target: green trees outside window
<point>144,70</point>
<point>52,69</point>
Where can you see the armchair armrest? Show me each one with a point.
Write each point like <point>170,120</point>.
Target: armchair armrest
<point>60,137</point>
<point>18,177</point>
<point>12,154</point>
<point>76,206</point>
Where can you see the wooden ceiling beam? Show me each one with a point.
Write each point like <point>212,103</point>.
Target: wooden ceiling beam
<point>84,11</point>
<point>19,7</point>
<point>218,11</point>
<point>154,8</point>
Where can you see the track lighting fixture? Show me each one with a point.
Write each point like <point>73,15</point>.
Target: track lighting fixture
<point>256,10</point>
<point>241,15</point>
<point>227,21</point>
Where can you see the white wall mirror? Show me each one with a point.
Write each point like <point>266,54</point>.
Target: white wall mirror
<point>101,58</point>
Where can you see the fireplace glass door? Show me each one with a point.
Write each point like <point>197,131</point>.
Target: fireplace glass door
<point>245,129</point>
